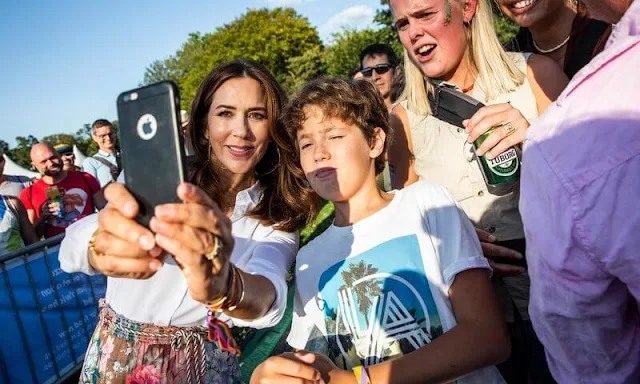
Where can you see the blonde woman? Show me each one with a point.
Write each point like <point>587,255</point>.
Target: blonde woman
<point>453,41</point>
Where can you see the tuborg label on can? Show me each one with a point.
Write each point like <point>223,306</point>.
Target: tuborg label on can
<point>505,164</point>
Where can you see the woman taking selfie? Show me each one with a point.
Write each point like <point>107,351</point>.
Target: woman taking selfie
<point>230,245</point>
<point>454,42</point>
<point>559,29</point>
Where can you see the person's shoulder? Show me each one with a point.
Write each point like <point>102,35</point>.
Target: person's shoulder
<point>90,161</point>
<point>319,244</point>
<point>426,192</point>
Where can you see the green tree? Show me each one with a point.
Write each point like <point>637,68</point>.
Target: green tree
<point>21,154</point>
<point>161,70</point>
<point>303,68</point>
<point>505,28</point>
<point>4,146</point>
<point>344,53</point>
<point>363,290</point>
<point>388,32</point>
<point>177,66</point>
<point>271,37</point>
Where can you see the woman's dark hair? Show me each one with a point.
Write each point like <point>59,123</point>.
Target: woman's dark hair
<point>273,208</point>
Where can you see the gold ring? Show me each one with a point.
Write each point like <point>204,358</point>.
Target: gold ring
<point>508,128</point>
<point>215,250</point>
<point>92,244</point>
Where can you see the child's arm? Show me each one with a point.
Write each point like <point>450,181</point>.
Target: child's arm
<point>479,339</point>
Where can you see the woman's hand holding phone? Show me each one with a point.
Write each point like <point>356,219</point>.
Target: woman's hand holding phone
<point>188,231</point>
<point>121,246</point>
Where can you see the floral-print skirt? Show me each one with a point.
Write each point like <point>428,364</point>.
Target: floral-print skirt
<point>125,351</point>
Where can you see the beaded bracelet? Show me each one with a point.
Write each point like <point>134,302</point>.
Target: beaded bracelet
<point>218,330</point>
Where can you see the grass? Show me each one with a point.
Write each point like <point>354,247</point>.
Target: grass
<point>319,225</point>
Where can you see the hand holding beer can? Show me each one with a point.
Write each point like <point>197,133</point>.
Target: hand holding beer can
<point>502,173</point>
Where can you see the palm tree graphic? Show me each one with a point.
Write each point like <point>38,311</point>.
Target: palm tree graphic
<point>363,290</point>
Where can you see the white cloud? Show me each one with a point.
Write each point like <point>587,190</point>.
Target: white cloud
<point>356,17</point>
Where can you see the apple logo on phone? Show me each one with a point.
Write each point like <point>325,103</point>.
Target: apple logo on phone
<point>147,126</point>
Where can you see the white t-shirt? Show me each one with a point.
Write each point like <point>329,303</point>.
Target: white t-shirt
<point>378,289</point>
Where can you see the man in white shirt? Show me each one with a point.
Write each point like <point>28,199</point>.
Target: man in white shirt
<point>103,165</point>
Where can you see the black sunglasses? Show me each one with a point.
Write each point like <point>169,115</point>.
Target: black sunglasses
<point>380,69</point>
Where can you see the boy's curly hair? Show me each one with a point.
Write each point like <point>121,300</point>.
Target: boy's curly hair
<point>355,102</point>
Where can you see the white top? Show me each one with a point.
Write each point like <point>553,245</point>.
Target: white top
<point>379,289</point>
<point>443,156</point>
<point>164,300</point>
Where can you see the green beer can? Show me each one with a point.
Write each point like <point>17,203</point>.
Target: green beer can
<point>502,173</point>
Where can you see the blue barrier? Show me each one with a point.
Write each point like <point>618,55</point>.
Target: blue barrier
<point>47,316</point>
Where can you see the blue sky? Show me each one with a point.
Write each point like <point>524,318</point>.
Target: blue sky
<point>64,62</point>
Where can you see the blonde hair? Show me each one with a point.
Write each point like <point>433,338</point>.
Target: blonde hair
<point>496,72</point>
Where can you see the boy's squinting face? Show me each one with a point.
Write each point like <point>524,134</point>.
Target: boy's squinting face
<point>335,156</point>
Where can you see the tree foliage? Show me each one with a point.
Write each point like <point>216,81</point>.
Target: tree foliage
<point>388,32</point>
<point>303,68</point>
<point>344,54</point>
<point>21,153</point>
<point>272,37</point>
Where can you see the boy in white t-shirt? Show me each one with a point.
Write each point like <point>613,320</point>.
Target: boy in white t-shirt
<point>396,273</point>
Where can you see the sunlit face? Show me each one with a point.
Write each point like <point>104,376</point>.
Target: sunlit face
<point>103,136</point>
<point>527,13</point>
<point>433,33</point>
<point>335,156</point>
<point>238,126</point>
<point>46,161</point>
<point>380,76</point>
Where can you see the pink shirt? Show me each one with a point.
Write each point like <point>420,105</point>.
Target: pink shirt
<point>580,203</point>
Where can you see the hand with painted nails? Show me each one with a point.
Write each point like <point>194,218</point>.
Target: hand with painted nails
<point>497,255</point>
<point>121,247</point>
<point>293,368</point>
<point>510,124</point>
<point>191,230</point>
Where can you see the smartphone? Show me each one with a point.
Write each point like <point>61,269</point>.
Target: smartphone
<point>151,147</point>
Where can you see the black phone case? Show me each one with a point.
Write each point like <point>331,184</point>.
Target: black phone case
<point>152,154</point>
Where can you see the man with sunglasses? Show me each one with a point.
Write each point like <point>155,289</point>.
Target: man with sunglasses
<point>68,157</point>
<point>104,164</point>
<point>378,63</point>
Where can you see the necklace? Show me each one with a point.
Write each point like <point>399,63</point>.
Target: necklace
<point>469,88</point>
<point>545,51</point>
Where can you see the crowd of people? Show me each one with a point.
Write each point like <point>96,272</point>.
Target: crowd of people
<point>426,275</point>
<point>64,193</point>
